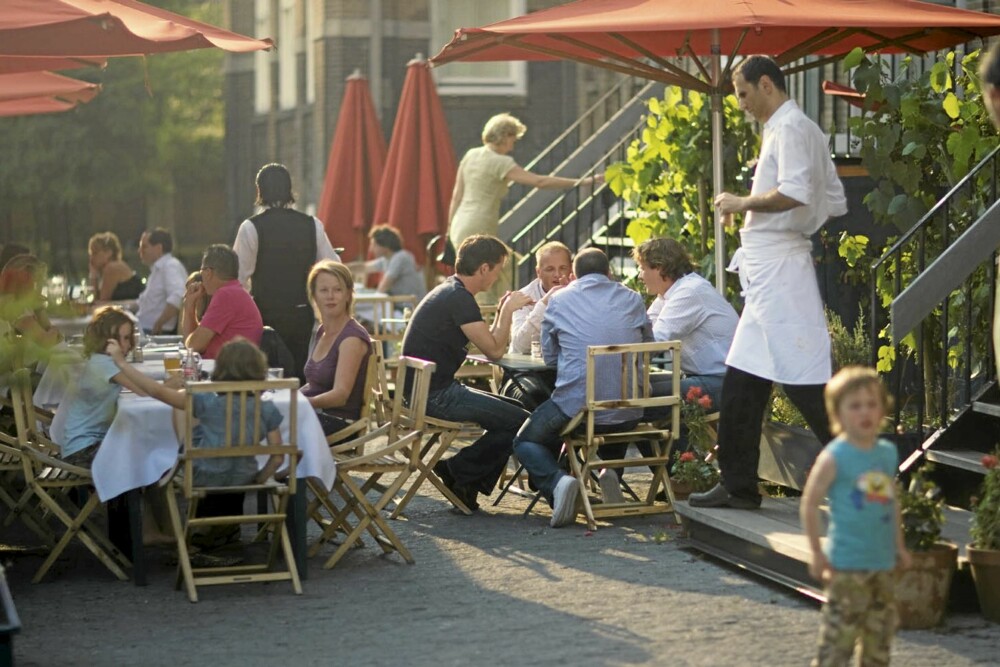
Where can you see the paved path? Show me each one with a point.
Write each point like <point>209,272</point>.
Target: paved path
<point>487,589</point>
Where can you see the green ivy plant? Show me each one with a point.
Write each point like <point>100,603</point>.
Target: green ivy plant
<point>666,179</point>
<point>921,133</point>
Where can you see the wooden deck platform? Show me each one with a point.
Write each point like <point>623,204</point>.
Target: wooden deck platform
<point>770,543</point>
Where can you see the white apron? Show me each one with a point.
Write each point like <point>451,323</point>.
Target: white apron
<point>782,335</point>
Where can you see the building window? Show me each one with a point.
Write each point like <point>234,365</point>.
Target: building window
<point>288,40</point>
<point>489,78</point>
<point>262,59</point>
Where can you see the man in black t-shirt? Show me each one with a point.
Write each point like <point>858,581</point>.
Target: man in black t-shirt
<point>441,327</point>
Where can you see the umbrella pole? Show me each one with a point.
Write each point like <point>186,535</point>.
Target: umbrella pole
<point>717,175</point>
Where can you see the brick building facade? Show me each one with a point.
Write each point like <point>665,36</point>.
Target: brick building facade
<point>283,105</point>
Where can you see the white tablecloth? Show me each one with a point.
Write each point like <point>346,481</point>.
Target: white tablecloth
<point>141,445</point>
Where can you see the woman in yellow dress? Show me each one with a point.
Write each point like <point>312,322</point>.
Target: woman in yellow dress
<point>482,181</point>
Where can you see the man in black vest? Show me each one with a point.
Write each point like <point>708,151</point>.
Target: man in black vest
<point>277,247</point>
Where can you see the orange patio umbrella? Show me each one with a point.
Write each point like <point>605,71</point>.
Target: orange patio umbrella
<point>353,170</point>
<point>38,105</point>
<point>84,28</point>
<point>29,85</point>
<point>17,64</point>
<point>640,37</point>
<point>420,168</point>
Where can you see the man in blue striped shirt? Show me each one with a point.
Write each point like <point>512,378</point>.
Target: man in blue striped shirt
<point>592,310</point>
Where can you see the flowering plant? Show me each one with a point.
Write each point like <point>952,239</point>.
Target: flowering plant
<point>694,471</point>
<point>694,409</point>
<point>986,509</point>
<point>921,507</point>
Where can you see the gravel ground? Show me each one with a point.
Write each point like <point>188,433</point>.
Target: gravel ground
<point>491,588</point>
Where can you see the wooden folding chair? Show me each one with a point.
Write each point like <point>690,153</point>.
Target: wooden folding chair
<point>441,436</point>
<point>617,379</point>
<point>364,420</point>
<point>241,399</point>
<point>392,449</point>
<point>50,480</point>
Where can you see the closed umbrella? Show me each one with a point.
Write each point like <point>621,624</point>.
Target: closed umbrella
<point>76,28</point>
<point>29,85</point>
<point>420,168</point>
<point>353,170</point>
<point>639,37</point>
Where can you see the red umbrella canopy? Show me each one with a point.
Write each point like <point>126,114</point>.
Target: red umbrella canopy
<point>17,64</point>
<point>37,105</point>
<point>29,85</point>
<point>636,36</point>
<point>353,170</point>
<point>107,28</point>
<point>420,168</point>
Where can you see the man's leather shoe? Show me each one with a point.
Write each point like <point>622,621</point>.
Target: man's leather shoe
<point>464,493</point>
<point>717,496</point>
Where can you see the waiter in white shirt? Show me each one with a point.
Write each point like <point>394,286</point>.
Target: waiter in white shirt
<point>160,301</point>
<point>782,335</point>
<point>277,247</point>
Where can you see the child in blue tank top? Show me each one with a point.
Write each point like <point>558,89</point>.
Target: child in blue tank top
<point>856,473</point>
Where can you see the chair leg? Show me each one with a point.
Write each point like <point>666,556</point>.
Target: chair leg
<point>286,547</point>
<point>73,529</point>
<point>581,471</point>
<point>514,479</point>
<point>183,555</point>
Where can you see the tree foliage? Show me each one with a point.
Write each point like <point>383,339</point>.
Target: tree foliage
<point>666,179</point>
<point>921,133</point>
<point>158,121</point>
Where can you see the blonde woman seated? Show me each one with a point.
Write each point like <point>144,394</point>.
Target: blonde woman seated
<point>113,278</point>
<point>339,350</point>
<point>482,181</point>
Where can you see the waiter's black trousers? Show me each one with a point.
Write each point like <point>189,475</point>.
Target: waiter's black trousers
<point>745,397</point>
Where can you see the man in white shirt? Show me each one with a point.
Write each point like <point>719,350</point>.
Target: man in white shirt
<point>782,335</point>
<point>687,308</point>
<point>554,268</point>
<point>160,302</point>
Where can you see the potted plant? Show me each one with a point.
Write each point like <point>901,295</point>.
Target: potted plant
<point>922,589</point>
<point>692,474</point>
<point>984,551</point>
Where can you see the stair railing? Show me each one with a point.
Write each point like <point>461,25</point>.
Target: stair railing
<point>942,275</point>
<point>576,134</point>
<point>580,218</point>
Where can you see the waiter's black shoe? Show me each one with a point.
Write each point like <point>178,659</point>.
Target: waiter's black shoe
<point>717,496</point>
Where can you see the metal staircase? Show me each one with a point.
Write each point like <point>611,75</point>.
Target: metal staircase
<point>579,217</point>
<point>943,306</point>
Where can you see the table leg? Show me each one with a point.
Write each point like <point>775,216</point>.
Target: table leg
<point>125,531</point>
<point>295,520</point>
<point>135,528</point>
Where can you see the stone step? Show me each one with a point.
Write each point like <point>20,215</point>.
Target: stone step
<point>770,543</point>
<point>963,459</point>
<point>984,408</point>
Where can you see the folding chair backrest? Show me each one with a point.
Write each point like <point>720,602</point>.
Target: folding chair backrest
<point>387,326</point>
<point>618,378</point>
<point>30,439</point>
<point>409,404</point>
<point>381,401</point>
<point>371,371</point>
<point>245,433</point>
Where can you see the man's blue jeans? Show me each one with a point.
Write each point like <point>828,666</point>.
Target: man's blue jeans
<point>538,443</point>
<point>479,465</point>
<point>537,446</point>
